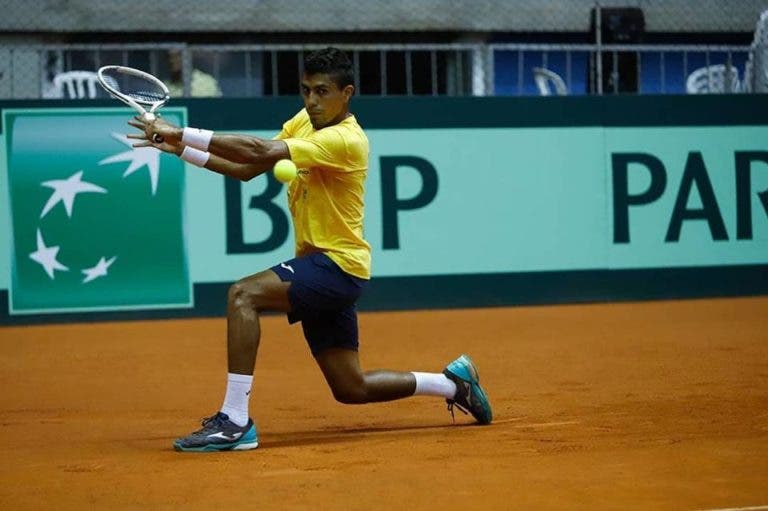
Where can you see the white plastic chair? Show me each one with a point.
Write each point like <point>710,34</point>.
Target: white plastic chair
<point>715,79</point>
<point>756,68</point>
<point>547,80</point>
<point>748,79</point>
<point>77,84</point>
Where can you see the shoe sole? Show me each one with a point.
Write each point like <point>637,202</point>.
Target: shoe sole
<point>246,443</point>
<point>480,396</point>
<point>218,447</point>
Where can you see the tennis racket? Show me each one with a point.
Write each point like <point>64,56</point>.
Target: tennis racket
<point>137,89</point>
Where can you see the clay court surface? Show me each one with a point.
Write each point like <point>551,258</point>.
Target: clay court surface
<point>654,405</point>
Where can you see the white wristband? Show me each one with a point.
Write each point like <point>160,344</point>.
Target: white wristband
<point>197,138</point>
<point>195,156</point>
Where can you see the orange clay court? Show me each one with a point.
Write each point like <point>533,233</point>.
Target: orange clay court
<point>651,405</point>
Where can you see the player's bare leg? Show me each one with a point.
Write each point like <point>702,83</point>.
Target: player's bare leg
<point>349,384</point>
<point>245,300</point>
<point>458,383</point>
<point>231,428</point>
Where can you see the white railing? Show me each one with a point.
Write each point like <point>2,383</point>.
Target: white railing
<point>401,69</point>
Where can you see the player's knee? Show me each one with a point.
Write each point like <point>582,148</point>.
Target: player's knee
<point>245,296</point>
<point>350,395</point>
<point>236,295</point>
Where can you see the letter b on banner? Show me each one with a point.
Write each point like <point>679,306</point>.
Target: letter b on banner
<point>264,202</point>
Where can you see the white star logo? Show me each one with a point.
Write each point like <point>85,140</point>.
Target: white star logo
<point>100,270</point>
<point>46,256</point>
<point>138,156</point>
<point>65,190</point>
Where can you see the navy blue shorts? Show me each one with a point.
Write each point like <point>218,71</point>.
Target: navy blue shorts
<point>322,297</point>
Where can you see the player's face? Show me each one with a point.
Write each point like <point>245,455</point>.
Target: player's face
<point>326,104</point>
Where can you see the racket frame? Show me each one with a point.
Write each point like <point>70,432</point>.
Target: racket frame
<point>138,105</point>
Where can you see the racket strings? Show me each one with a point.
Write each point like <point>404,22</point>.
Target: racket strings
<point>146,95</point>
<point>135,87</point>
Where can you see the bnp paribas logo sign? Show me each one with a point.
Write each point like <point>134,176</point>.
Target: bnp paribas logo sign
<point>96,223</point>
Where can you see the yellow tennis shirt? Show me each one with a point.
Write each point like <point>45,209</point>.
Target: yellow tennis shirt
<point>327,197</point>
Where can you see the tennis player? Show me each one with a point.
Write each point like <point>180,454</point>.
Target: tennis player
<point>319,287</point>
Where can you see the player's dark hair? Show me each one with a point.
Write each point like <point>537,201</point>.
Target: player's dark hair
<point>333,62</point>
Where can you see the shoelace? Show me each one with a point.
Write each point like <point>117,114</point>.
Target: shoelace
<point>451,404</point>
<point>213,420</point>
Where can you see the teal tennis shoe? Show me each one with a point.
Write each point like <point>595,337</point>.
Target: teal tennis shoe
<point>470,396</point>
<point>220,434</point>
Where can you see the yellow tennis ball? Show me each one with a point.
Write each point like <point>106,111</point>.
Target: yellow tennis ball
<point>285,171</point>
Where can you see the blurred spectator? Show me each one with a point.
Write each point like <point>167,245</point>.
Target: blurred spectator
<point>201,83</point>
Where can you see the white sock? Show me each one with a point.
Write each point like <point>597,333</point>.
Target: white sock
<point>434,384</point>
<point>236,399</point>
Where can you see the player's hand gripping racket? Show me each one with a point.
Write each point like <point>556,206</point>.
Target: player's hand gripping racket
<point>137,89</point>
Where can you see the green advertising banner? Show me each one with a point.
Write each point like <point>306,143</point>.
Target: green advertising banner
<point>687,196</point>
<point>489,200</point>
<point>469,202</point>
<point>95,223</point>
<point>544,199</point>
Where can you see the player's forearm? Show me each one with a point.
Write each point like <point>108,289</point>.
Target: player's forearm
<point>214,163</point>
<point>234,148</point>
<point>241,171</point>
<point>246,149</point>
